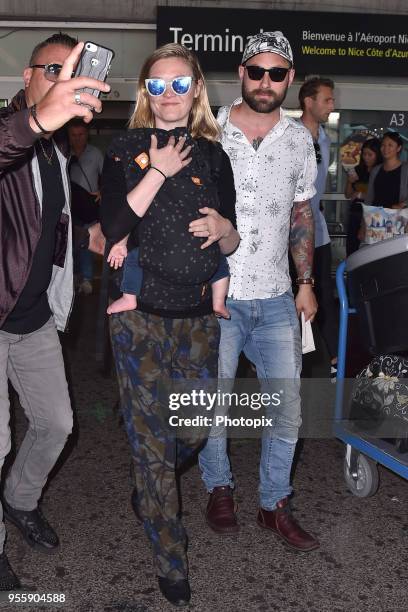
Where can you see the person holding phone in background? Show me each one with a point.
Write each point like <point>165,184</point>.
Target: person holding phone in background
<point>356,190</point>
<point>36,280</point>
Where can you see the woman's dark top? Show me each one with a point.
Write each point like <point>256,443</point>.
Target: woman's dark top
<point>175,270</point>
<point>387,187</point>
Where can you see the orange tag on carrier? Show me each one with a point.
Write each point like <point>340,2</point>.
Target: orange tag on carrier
<point>142,160</point>
<point>196,180</point>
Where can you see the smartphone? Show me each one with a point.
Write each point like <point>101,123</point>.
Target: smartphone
<point>94,62</point>
<point>352,174</point>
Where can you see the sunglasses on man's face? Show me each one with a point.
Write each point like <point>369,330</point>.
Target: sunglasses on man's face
<point>276,74</point>
<point>180,85</point>
<point>51,71</point>
<point>317,152</point>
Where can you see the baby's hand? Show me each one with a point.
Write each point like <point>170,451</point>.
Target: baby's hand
<point>117,256</point>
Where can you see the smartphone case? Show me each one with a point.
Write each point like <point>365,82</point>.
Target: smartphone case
<point>94,62</point>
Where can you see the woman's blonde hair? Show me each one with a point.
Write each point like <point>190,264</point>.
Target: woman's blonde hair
<point>201,121</point>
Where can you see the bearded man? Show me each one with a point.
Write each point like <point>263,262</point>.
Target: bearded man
<point>274,166</point>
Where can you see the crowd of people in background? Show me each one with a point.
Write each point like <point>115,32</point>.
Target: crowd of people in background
<point>201,214</point>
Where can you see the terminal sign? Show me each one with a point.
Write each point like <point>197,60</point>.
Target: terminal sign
<point>323,43</point>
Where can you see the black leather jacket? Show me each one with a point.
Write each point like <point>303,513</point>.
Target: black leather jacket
<point>20,213</point>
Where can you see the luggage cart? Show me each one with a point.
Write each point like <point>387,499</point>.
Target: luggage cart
<point>362,452</point>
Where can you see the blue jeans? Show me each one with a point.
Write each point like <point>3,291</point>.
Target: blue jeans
<point>133,274</point>
<point>268,332</point>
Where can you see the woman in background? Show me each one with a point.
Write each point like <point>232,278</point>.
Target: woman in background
<point>356,190</point>
<point>388,184</point>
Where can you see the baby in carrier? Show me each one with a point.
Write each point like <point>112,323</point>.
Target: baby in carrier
<point>133,277</point>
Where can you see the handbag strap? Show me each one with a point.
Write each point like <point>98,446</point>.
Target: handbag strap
<point>76,161</point>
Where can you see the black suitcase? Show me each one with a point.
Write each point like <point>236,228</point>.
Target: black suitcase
<point>377,279</point>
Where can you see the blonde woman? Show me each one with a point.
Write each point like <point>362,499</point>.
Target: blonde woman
<point>167,183</point>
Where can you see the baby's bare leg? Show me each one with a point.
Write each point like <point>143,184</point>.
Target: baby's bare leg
<point>128,301</point>
<point>219,293</point>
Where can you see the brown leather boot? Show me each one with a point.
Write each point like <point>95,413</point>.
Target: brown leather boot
<point>220,513</point>
<point>282,524</point>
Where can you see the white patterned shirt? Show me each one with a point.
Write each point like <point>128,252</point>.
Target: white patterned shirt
<point>267,181</point>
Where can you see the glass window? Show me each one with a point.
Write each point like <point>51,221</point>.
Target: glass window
<point>354,127</point>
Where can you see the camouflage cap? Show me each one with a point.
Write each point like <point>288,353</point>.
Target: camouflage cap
<point>268,42</point>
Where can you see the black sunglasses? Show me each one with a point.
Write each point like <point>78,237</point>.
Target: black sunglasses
<point>317,152</point>
<point>51,71</point>
<point>276,74</point>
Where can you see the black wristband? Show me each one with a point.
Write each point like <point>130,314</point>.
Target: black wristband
<point>33,111</point>
<point>162,173</point>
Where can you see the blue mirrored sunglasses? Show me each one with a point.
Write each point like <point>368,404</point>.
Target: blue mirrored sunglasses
<point>180,85</point>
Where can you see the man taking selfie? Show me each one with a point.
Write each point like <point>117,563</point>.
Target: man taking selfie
<point>36,283</point>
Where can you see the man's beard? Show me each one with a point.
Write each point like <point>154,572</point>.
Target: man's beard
<point>266,105</point>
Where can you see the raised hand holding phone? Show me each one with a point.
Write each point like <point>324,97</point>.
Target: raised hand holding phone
<point>94,61</point>
<point>65,100</point>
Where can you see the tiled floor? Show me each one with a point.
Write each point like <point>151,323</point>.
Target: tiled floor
<point>105,563</point>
